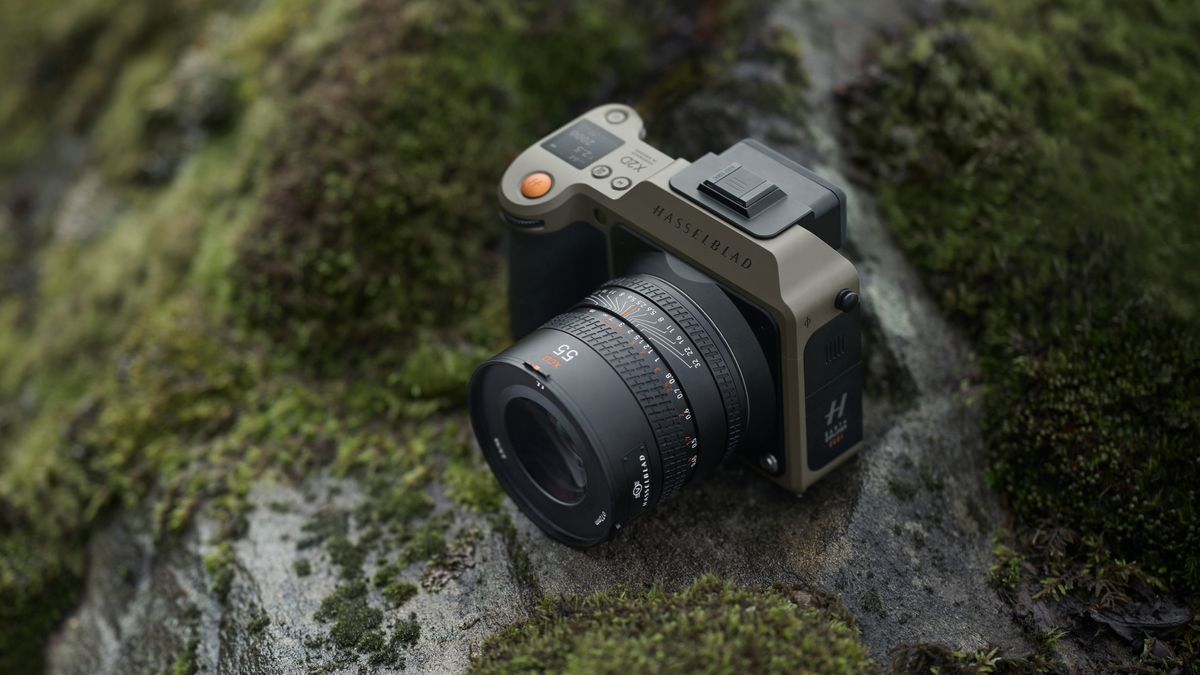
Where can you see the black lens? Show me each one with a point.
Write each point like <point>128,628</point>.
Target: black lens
<point>544,447</point>
<point>610,407</point>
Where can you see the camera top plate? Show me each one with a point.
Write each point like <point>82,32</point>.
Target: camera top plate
<point>601,152</point>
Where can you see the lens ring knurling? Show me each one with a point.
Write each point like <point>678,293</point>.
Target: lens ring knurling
<point>636,368</point>
<point>708,351</point>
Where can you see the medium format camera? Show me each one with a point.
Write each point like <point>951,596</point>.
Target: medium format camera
<point>666,314</point>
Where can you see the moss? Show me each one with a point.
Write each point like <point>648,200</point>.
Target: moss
<point>1038,160</point>
<point>474,487</point>
<point>38,585</point>
<point>932,658</point>
<point>425,543</point>
<point>709,627</point>
<point>185,662</point>
<point>431,371</point>
<point>219,565</point>
<point>407,632</point>
<point>258,623</point>
<point>386,574</point>
<point>347,557</point>
<point>901,489</point>
<point>353,617</point>
<point>62,60</point>
<point>302,567</point>
<point>268,166</point>
<point>361,243</point>
<point>399,592</point>
<point>102,295</point>
<point>1009,568</point>
<point>518,557</point>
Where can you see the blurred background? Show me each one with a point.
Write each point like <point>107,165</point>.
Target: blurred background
<point>249,256</point>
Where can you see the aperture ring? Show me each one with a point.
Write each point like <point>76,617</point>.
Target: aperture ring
<point>721,373</point>
<point>637,363</point>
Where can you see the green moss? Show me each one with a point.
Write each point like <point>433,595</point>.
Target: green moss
<point>269,166</point>
<point>61,60</point>
<point>407,632</point>
<point>353,617</point>
<point>1038,161</point>
<point>518,557</point>
<point>901,489</point>
<point>932,658</point>
<point>219,565</point>
<point>431,371</point>
<point>385,574</point>
<point>185,662</point>
<point>38,585</point>
<point>302,567</point>
<point>399,592</point>
<point>708,627</point>
<point>364,241</point>
<point>426,542</point>
<point>474,487</point>
<point>258,623</point>
<point>347,557</point>
<point>1010,567</point>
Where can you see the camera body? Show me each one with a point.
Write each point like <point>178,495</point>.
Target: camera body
<point>592,201</point>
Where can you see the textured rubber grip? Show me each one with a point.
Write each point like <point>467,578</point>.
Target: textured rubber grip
<point>700,337</point>
<point>642,369</point>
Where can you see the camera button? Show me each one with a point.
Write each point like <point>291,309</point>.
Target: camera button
<point>621,183</point>
<point>536,184</point>
<point>846,300</point>
<point>616,116</point>
<point>601,171</point>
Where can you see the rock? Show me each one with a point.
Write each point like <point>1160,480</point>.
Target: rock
<point>146,602</point>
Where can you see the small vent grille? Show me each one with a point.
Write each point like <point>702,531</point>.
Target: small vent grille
<point>835,349</point>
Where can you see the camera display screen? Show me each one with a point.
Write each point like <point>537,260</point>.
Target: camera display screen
<point>582,144</point>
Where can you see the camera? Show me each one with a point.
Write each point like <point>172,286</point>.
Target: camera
<point>666,315</point>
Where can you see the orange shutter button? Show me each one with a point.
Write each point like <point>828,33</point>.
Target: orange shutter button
<point>536,184</point>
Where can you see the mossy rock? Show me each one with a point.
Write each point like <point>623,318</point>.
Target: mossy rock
<point>377,222</point>
<point>299,266</point>
<point>1038,161</point>
<point>710,627</point>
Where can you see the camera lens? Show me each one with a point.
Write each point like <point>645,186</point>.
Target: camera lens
<point>616,404</point>
<point>546,451</point>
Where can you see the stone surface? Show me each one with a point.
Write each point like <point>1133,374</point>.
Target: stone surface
<point>902,535</point>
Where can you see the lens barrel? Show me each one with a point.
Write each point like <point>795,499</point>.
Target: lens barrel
<point>613,406</point>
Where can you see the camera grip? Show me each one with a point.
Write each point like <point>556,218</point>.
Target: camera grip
<point>549,273</point>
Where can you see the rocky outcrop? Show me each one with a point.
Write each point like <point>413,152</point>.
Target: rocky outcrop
<point>902,536</point>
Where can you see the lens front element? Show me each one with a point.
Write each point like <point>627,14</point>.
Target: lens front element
<point>546,451</point>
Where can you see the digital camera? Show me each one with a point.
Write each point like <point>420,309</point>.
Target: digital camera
<point>666,314</point>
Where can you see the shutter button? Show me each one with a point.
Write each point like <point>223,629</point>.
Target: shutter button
<point>536,184</point>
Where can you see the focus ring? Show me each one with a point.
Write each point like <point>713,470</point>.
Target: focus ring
<point>674,432</point>
<point>721,373</point>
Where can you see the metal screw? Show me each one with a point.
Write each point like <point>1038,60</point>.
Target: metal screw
<point>769,463</point>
